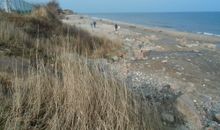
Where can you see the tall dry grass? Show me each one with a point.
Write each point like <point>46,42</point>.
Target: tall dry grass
<point>24,31</point>
<point>74,97</point>
<point>66,93</point>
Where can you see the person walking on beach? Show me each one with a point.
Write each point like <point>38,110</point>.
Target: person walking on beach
<point>116,27</point>
<point>91,24</point>
<point>94,24</point>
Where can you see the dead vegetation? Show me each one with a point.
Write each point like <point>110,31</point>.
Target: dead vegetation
<point>43,27</point>
<point>59,93</point>
<point>82,99</point>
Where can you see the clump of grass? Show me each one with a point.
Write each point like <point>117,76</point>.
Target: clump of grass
<point>75,97</point>
<point>54,7</point>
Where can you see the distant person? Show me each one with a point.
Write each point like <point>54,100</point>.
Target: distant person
<point>94,24</point>
<point>91,24</point>
<point>116,27</point>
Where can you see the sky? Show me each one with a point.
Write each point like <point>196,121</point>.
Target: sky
<point>104,6</point>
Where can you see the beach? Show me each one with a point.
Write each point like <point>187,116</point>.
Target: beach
<point>188,62</point>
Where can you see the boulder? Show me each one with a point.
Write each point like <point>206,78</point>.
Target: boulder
<point>212,125</point>
<point>217,117</point>
<point>186,107</point>
<point>115,58</point>
<point>167,117</point>
<point>209,128</point>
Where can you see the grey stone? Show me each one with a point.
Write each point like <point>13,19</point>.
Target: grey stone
<point>209,128</point>
<point>115,58</point>
<point>217,117</point>
<point>212,125</point>
<point>186,106</point>
<point>182,127</point>
<point>169,118</point>
<point>216,107</point>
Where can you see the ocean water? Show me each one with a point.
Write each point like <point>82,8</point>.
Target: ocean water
<point>207,23</point>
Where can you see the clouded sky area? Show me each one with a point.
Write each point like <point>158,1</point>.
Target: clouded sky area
<point>93,6</point>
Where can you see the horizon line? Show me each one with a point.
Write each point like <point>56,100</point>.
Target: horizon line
<point>151,12</point>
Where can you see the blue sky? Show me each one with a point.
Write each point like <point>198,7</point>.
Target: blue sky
<point>93,6</point>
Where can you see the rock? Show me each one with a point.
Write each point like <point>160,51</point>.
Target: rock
<point>185,106</point>
<point>164,61</point>
<point>182,127</point>
<point>146,53</point>
<point>196,51</point>
<point>115,58</point>
<point>178,46</point>
<point>132,58</point>
<point>217,117</point>
<point>191,45</point>
<point>207,80</point>
<point>212,125</point>
<point>216,107</point>
<point>168,95</point>
<point>178,73</point>
<point>210,46</point>
<point>164,69</point>
<point>169,118</point>
<point>189,60</point>
<point>209,128</point>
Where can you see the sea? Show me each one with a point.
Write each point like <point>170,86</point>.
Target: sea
<point>206,23</point>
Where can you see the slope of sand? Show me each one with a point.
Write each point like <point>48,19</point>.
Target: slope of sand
<point>188,62</point>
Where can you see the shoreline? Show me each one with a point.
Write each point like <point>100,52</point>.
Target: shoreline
<point>190,35</point>
<point>140,26</point>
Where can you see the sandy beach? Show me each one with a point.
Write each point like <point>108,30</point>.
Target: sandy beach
<point>187,62</point>
<point>110,65</point>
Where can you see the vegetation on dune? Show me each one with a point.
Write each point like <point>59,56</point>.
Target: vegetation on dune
<point>62,92</point>
<point>43,27</point>
<point>82,99</point>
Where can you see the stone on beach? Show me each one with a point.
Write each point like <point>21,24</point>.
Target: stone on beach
<point>210,46</point>
<point>217,117</point>
<point>164,61</point>
<point>169,118</point>
<point>115,58</point>
<point>186,107</point>
<point>192,45</point>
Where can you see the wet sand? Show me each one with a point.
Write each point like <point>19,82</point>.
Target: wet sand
<point>189,62</point>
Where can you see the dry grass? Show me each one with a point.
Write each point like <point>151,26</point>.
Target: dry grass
<point>64,93</point>
<point>75,97</point>
<point>41,26</point>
